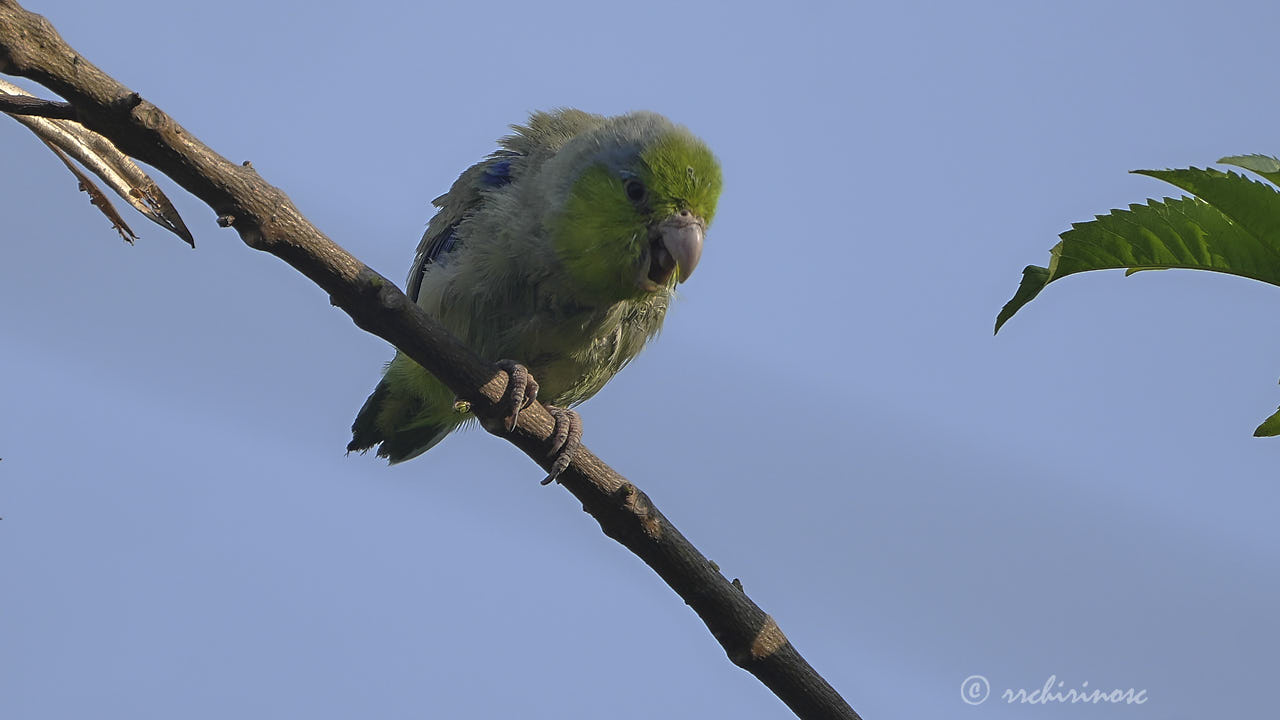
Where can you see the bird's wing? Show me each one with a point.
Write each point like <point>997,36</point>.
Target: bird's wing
<point>462,201</point>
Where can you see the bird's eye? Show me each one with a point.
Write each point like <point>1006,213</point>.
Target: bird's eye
<point>635,190</point>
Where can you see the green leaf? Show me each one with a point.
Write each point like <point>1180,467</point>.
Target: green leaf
<point>1269,427</point>
<point>1265,165</point>
<point>1232,226</point>
<point>1250,204</point>
<point>1034,278</point>
<point>1183,233</point>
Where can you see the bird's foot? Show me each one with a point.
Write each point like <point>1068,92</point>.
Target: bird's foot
<point>566,435</point>
<point>566,438</point>
<point>522,391</point>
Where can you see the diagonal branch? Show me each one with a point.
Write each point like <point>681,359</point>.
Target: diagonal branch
<point>266,220</point>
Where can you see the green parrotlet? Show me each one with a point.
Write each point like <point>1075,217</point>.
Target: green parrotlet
<point>559,253</point>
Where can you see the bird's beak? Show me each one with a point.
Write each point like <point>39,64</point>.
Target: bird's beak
<point>676,245</point>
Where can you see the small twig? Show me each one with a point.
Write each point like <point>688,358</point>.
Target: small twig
<point>97,198</point>
<point>102,158</point>
<point>37,107</point>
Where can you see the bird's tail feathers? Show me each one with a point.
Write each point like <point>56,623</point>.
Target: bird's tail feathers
<point>404,443</point>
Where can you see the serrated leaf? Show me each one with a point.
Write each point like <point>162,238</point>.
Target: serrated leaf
<point>1232,226</point>
<point>1171,233</point>
<point>1185,233</point>
<point>1264,165</point>
<point>1269,427</point>
<point>1253,205</point>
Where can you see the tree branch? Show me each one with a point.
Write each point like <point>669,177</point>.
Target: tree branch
<point>266,220</point>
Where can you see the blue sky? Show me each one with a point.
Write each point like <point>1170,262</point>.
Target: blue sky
<point>826,414</point>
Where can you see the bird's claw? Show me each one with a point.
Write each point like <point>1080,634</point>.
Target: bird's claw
<point>566,438</point>
<point>566,435</point>
<point>522,391</point>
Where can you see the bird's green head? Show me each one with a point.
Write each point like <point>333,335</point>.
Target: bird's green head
<point>638,195</point>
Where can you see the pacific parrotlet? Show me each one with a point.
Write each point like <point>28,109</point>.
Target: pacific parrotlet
<point>559,253</point>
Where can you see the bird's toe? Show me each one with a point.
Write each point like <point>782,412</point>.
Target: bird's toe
<point>522,391</point>
<point>566,438</point>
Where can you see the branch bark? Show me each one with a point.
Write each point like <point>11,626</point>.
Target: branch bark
<point>266,220</point>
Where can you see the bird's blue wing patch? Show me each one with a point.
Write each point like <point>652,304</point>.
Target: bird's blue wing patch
<point>495,174</point>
